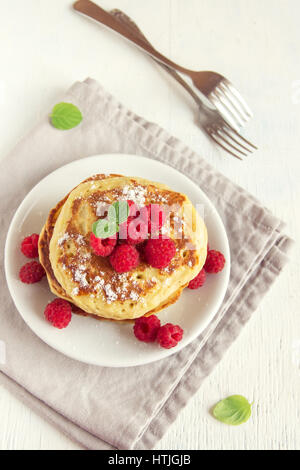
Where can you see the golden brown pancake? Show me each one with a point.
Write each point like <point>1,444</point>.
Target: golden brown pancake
<point>89,281</point>
<point>55,287</point>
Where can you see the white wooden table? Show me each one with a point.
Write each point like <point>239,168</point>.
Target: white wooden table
<point>44,47</point>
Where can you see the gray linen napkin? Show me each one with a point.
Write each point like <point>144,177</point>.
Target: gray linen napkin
<point>106,408</point>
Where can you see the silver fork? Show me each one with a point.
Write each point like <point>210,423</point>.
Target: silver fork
<point>209,119</point>
<point>216,88</point>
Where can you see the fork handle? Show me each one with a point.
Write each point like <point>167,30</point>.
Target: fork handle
<point>129,23</point>
<point>94,11</point>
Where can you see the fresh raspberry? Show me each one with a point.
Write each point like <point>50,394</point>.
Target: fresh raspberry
<point>156,217</point>
<point>159,252</point>
<point>141,249</point>
<point>123,230</point>
<point>102,246</point>
<point>133,231</point>
<point>133,208</point>
<point>124,258</point>
<point>29,246</point>
<point>169,335</point>
<point>198,281</point>
<point>59,313</point>
<point>31,272</point>
<point>137,231</point>
<point>146,328</point>
<point>214,261</point>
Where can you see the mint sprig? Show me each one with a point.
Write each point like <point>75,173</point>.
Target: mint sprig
<point>117,214</point>
<point>121,211</point>
<point>234,410</point>
<point>104,229</point>
<point>65,116</point>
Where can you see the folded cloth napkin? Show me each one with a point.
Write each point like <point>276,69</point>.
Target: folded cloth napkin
<point>105,408</point>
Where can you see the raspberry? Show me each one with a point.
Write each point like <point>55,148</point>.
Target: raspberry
<point>102,246</point>
<point>156,217</point>
<point>141,249</point>
<point>146,328</point>
<point>31,272</point>
<point>169,335</point>
<point>214,261</point>
<point>133,209</point>
<point>198,281</point>
<point>137,231</point>
<point>59,313</point>
<point>124,258</point>
<point>29,246</point>
<point>133,231</point>
<point>123,230</point>
<point>159,252</point>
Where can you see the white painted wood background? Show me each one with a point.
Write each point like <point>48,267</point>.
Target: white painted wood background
<point>44,47</point>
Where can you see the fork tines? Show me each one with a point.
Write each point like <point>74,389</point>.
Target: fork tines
<point>231,141</point>
<point>231,104</point>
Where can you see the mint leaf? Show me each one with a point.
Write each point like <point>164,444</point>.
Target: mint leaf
<point>233,410</point>
<point>117,214</point>
<point>65,116</point>
<point>104,228</point>
<point>121,209</point>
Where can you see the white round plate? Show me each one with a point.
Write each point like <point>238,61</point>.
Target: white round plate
<point>106,343</point>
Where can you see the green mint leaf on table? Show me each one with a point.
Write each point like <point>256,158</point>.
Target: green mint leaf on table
<point>233,410</point>
<point>65,116</point>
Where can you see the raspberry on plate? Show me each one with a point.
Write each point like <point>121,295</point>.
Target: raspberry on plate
<point>124,258</point>
<point>59,313</point>
<point>159,252</point>
<point>29,246</point>
<point>102,246</point>
<point>215,261</point>
<point>198,281</point>
<point>146,328</point>
<point>156,217</point>
<point>31,272</point>
<point>169,335</point>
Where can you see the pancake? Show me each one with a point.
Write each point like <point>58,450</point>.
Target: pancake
<point>55,287</point>
<point>88,281</point>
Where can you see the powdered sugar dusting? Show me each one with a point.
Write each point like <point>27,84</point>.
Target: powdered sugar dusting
<point>110,294</point>
<point>62,239</point>
<point>99,283</point>
<point>80,240</point>
<point>160,198</point>
<point>134,296</point>
<point>135,193</point>
<point>80,276</point>
<point>101,208</point>
<point>121,287</point>
<point>75,291</point>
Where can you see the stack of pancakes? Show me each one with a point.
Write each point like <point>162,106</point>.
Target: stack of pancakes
<point>88,281</point>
